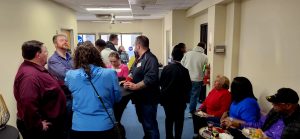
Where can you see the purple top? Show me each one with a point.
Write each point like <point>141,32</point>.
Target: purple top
<point>273,132</point>
<point>58,66</point>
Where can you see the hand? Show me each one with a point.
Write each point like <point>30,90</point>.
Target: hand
<point>225,115</point>
<point>130,86</point>
<point>233,123</point>
<point>45,125</point>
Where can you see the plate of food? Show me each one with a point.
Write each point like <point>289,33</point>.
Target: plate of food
<point>215,132</point>
<point>253,133</point>
<point>201,114</point>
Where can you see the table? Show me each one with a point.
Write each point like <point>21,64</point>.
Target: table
<point>9,132</point>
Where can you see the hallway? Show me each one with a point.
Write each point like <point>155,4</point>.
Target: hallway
<point>134,129</point>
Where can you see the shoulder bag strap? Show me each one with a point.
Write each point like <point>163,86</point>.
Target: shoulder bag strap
<point>99,97</point>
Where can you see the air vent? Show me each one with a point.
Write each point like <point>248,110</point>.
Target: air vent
<point>103,15</point>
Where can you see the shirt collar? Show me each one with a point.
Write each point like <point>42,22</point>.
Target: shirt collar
<point>68,56</point>
<point>38,67</point>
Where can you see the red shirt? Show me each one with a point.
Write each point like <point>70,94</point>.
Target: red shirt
<point>38,95</point>
<point>217,102</point>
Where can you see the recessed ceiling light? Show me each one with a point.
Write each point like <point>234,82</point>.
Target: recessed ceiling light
<point>108,9</point>
<point>122,17</point>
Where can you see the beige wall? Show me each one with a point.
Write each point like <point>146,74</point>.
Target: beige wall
<point>261,38</point>
<point>167,40</point>
<point>153,29</point>
<point>270,45</point>
<point>182,29</point>
<point>232,40</point>
<point>20,21</point>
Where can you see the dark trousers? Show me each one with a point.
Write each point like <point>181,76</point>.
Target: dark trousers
<point>120,107</point>
<point>174,118</point>
<point>108,134</point>
<point>53,132</point>
<point>147,117</point>
<point>199,122</point>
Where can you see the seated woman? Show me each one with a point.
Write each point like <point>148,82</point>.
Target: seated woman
<point>90,119</point>
<point>244,105</point>
<point>216,103</point>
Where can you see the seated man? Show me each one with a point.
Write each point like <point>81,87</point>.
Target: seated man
<point>283,120</point>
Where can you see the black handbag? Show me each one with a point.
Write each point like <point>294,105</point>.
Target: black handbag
<point>119,131</point>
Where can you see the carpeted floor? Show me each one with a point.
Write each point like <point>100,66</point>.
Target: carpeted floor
<point>134,129</point>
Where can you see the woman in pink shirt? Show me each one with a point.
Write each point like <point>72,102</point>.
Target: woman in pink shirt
<point>122,72</point>
<point>115,63</point>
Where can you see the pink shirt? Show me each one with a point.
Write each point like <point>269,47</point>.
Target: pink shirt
<point>122,71</point>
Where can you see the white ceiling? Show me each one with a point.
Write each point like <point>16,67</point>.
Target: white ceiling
<point>140,9</point>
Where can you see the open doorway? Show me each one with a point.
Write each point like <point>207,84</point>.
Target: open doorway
<point>203,38</point>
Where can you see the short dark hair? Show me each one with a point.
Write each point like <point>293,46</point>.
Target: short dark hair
<point>177,52</point>
<point>142,40</point>
<point>100,43</point>
<point>202,45</point>
<point>113,37</point>
<point>54,38</point>
<point>241,88</point>
<point>30,48</point>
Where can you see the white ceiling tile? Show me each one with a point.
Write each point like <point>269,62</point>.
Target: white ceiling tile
<point>151,9</point>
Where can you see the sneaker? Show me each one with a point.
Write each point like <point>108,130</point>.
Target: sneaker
<point>190,115</point>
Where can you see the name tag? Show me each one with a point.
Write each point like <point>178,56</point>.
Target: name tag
<point>139,64</point>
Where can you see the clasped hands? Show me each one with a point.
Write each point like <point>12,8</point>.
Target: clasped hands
<point>129,85</point>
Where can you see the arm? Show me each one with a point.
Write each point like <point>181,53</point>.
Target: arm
<point>30,97</point>
<point>116,87</point>
<point>150,76</point>
<point>125,71</point>
<point>187,84</point>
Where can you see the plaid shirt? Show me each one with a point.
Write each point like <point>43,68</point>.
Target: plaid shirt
<point>292,126</point>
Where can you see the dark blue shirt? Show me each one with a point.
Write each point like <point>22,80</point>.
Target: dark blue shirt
<point>58,66</point>
<point>146,69</point>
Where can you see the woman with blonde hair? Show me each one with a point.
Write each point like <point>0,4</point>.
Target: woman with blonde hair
<point>216,103</point>
<point>92,119</point>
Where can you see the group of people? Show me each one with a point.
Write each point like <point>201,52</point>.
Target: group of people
<point>83,96</point>
<point>79,96</point>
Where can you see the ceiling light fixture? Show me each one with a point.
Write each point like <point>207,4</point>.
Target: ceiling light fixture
<point>108,9</point>
<point>124,17</point>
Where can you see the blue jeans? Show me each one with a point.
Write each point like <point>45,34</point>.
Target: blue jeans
<point>194,95</point>
<point>147,117</point>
